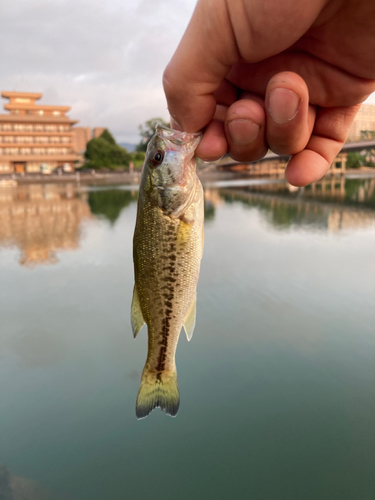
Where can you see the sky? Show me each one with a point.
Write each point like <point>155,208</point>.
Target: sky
<point>104,58</point>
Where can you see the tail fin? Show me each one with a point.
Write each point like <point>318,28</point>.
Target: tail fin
<point>158,391</point>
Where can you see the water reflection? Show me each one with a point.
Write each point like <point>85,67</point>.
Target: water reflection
<point>110,203</point>
<point>333,205</point>
<point>14,487</point>
<point>42,220</point>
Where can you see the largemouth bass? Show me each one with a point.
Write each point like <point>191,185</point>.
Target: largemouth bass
<point>167,250</point>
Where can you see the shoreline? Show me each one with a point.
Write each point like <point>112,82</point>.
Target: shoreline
<point>112,178</point>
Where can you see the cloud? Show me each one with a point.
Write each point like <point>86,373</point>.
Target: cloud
<point>105,59</point>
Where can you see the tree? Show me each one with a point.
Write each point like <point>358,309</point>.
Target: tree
<point>354,160</point>
<point>147,130</point>
<point>103,151</point>
<point>367,135</point>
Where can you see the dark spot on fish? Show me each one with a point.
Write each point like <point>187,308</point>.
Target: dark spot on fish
<point>168,303</point>
<point>172,257</point>
<point>161,359</point>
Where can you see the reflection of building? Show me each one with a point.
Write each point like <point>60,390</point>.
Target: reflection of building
<point>364,121</point>
<point>32,134</point>
<point>41,220</point>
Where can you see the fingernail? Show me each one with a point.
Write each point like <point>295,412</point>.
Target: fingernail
<point>243,132</point>
<point>283,105</point>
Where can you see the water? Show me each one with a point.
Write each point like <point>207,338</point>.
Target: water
<point>277,385</point>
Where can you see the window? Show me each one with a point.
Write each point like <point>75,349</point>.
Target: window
<point>40,112</point>
<point>56,113</point>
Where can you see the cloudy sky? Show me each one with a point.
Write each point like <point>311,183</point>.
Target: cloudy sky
<point>103,58</point>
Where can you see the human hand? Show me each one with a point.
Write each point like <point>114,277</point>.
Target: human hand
<point>284,75</point>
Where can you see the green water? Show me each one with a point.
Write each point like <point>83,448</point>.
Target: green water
<point>277,385</point>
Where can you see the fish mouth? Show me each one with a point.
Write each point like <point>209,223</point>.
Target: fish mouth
<point>189,140</point>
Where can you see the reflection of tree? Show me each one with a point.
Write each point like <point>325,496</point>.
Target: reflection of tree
<point>279,213</point>
<point>110,203</point>
<point>209,211</point>
<point>360,191</point>
<point>334,204</point>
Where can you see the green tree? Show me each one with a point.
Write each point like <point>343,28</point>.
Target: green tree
<point>103,151</point>
<point>367,135</point>
<point>147,130</point>
<point>355,160</point>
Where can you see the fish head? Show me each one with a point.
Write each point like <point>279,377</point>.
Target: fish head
<point>169,169</point>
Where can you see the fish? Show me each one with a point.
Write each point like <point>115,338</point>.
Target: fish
<point>167,251</point>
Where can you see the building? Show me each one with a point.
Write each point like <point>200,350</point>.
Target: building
<point>98,131</point>
<point>32,134</point>
<point>81,136</point>
<point>364,122</point>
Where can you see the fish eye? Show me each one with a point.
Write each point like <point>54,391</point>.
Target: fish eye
<point>156,157</point>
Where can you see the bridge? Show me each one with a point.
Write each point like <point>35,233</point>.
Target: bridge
<point>348,146</point>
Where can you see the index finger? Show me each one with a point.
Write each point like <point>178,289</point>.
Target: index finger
<point>198,67</point>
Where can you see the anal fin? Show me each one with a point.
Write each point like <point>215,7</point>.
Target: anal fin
<point>137,319</point>
<point>189,321</point>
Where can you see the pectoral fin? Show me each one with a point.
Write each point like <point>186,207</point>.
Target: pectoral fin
<point>136,313</point>
<point>189,321</point>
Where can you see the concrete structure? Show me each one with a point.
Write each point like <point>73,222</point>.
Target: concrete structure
<point>32,135</point>
<point>81,136</point>
<point>98,131</point>
<point>363,122</point>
